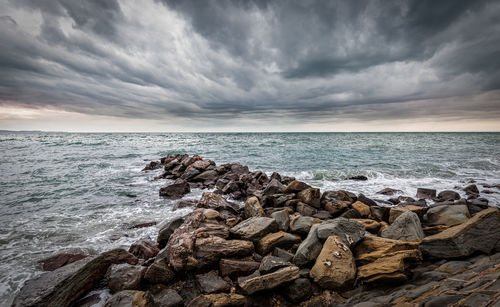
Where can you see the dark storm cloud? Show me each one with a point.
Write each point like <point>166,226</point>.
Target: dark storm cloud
<point>251,59</point>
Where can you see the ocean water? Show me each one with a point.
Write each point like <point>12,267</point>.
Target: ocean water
<point>66,192</point>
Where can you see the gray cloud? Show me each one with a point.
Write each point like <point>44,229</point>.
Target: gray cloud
<point>221,60</point>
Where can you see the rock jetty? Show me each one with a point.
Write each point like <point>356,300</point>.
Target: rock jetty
<point>269,240</point>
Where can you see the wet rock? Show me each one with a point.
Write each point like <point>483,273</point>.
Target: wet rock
<point>124,277</point>
<point>363,210</point>
<point>269,281</point>
<point>277,239</point>
<point>310,196</point>
<point>359,178</point>
<point>142,225</point>
<point>184,204</point>
<point>274,187</point>
<point>389,191</point>
<point>144,249</point>
<point>211,282</point>
<point>296,186</point>
<point>218,300</point>
<point>255,228</point>
<point>394,212</point>
<point>350,232</point>
<point>253,208</point>
<point>168,298</point>
<point>66,284</point>
<point>426,193</point>
<point>236,267</point>
<point>340,195</point>
<point>175,190</point>
<point>302,224</point>
<point>471,190</point>
<point>324,299</point>
<point>367,201</point>
<point>167,230</point>
<point>190,173</point>
<point>405,227</point>
<point>309,249</point>
<point>130,298</point>
<point>334,267</point>
<point>299,290</point>
<point>480,233</point>
<point>210,175</point>
<point>449,215</point>
<point>215,201</point>
<point>305,209</point>
<point>282,217</point>
<point>152,165</point>
<point>448,195</point>
<point>57,261</point>
<point>159,273</point>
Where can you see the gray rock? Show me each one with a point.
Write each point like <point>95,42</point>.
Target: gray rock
<point>168,298</point>
<point>449,215</point>
<point>124,277</point>
<point>211,282</point>
<point>236,267</point>
<point>448,195</point>
<point>350,232</point>
<point>305,210</point>
<point>299,290</point>
<point>255,228</point>
<point>406,227</point>
<point>269,281</point>
<point>302,224</point>
<point>471,190</point>
<point>282,217</point>
<point>210,175</point>
<point>309,249</point>
<point>129,298</point>
<point>426,193</point>
<point>283,254</point>
<point>274,187</point>
<point>175,190</point>
<point>389,191</point>
<point>167,230</point>
<point>270,264</point>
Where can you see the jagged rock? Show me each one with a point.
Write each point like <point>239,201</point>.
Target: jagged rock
<point>397,211</point>
<point>124,277</point>
<point>236,267</point>
<point>253,208</point>
<point>211,282</point>
<point>309,249</point>
<point>448,195</point>
<point>60,260</point>
<point>363,210</point>
<point>283,254</point>
<point>334,267</point>
<point>159,273</point>
<point>219,300</point>
<point>215,201</point>
<point>175,190</point>
<point>168,298</point>
<point>282,217</point>
<point>144,249</point>
<point>389,191</point>
<point>406,227</point>
<point>296,186</point>
<point>255,228</point>
<point>338,195</point>
<point>167,230</point>
<point>449,215</point>
<point>270,264</point>
<point>302,224</point>
<point>152,165</point>
<point>269,281</point>
<point>299,290</point>
<point>310,196</point>
<point>385,260</point>
<point>128,298</point>
<point>66,284</point>
<point>277,239</point>
<point>190,173</point>
<point>426,193</point>
<point>480,233</point>
<point>471,190</point>
<point>305,209</point>
<point>380,213</point>
<point>209,175</point>
<point>350,232</point>
<point>273,187</point>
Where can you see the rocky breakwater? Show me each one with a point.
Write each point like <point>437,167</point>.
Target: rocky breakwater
<point>289,244</point>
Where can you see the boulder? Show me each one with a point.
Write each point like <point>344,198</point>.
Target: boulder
<point>277,239</point>
<point>159,273</point>
<point>405,227</point>
<point>269,281</point>
<point>448,195</point>
<point>367,201</point>
<point>310,196</point>
<point>296,186</point>
<point>210,175</point>
<point>144,249</point>
<point>168,298</point>
<point>283,254</point>
<point>60,260</point>
<point>449,215</point>
<point>370,225</point>
<point>167,230</point>
<point>334,267</point>
<point>341,195</point>
<point>65,285</point>
<point>363,210</point>
<point>124,277</point>
<point>380,213</point>
<point>253,208</point>
<point>299,290</point>
<point>394,212</point>
<point>351,214</point>
<point>210,200</point>
<point>282,217</point>
<point>309,249</point>
<point>270,264</point>
<point>255,228</point>
<point>389,191</point>
<point>302,224</point>
<point>350,232</point>
<point>480,233</point>
<point>426,193</point>
<point>471,190</point>
<point>175,190</point>
<point>305,209</point>
<point>129,298</point>
<point>236,267</point>
<point>218,300</point>
<point>273,187</point>
<point>210,250</point>
<point>336,207</point>
<point>211,282</point>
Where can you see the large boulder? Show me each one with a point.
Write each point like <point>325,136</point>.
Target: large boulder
<point>302,224</point>
<point>273,187</point>
<point>269,281</point>
<point>363,210</point>
<point>449,215</point>
<point>398,210</point>
<point>406,227</point>
<point>210,250</point>
<point>253,208</point>
<point>350,232</point>
<point>124,277</point>
<point>309,249</point>
<point>210,200</point>
<point>65,285</point>
<point>340,195</point>
<point>255,228</point>
<point>334,267</point>
<point>210,175</point>
<point>176,190</point>
<point>480,233</point>
<point>276,239</point>
<point>128,298</point>
<point>282,217</point>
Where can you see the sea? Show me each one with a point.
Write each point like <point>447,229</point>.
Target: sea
<point>74,192</point>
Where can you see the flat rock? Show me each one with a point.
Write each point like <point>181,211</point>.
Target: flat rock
<point>334,267</point>
<point>480,233</point>
<point>210,250</point>
<point>448,215</point>
<point>255,228</point>
<point>341,195</point>
<point>406,227</point>
<point>236,267</point>
<point>349,231</point>
<point>270,264</point>
<point>302,224</point>
<point>269,281</point>
<point>277,239</point>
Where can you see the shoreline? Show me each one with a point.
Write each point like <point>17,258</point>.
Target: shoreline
<point>280,243</point>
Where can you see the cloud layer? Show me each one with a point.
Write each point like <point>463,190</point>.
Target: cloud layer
<point>219,62</point>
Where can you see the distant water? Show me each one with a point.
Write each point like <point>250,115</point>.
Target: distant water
<point>62,192</point>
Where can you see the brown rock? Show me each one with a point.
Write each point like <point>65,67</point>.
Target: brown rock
<point>218,300</point>
<point>334,267</point>
<point>277,239</point>
<point>310,196</point>
<point>236,267</point>
<point>370,225</point>
<point>57,261</point>
<point>124,277</point>
<point>336,207</point>
<point>296,186</point>
<point>397,211</point>
<point>210,250</point>
<point>130,298</point>
<point>253,208</point>
<point>269,281</point>
<point>175,190</point>
<point>305,209</point>
<point>363,210</point>
<point>144,249</point>
<point>159,273</point>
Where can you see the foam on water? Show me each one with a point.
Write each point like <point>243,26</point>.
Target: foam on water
<point>64,192</point>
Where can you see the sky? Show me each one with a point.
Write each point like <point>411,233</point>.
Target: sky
<point>220,65</point>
